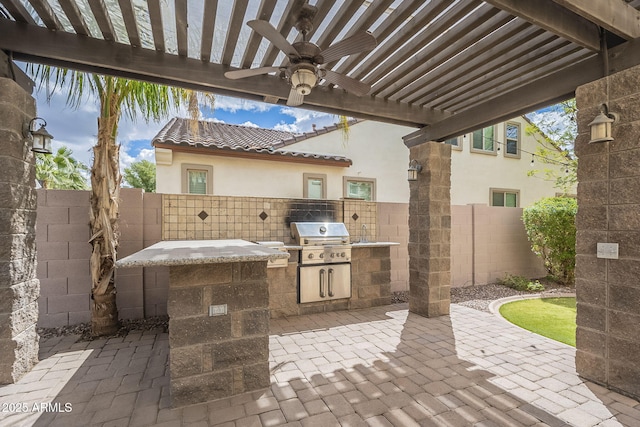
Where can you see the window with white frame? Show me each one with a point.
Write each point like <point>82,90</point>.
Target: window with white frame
<point>360,188</point>
<point>505,197</point>
<point>483,140</point>
<point>315,186</point>
<point>455,143</point>
<point>197,179</point>
<point>512,140</point>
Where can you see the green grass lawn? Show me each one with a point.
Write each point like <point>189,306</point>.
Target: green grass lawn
<point>553,318</point>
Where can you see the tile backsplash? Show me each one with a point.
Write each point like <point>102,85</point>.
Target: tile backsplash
<point>196,217</point>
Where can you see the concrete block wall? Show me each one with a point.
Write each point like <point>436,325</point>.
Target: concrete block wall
<point>62,235</point>
<point>608,290</point>
<point>63,252</point>
<point>489,242</point>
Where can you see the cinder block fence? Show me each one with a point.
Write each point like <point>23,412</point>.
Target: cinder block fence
<point>486,242</point>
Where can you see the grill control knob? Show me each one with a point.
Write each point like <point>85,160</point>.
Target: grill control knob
<point>321,255</point>
<point>333,255</point>
<point>310,256</point>
<point>343,254</point>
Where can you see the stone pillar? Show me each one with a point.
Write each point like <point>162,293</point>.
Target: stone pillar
<point>19,288</point>
<point>430,231</point>
<point>218,356</point>
<point>608,290</point>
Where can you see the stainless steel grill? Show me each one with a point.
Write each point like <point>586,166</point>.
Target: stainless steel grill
<point>324,272</point>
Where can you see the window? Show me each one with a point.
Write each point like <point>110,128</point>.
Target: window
<point>512,144</point>
<point>483,140</point>
<point>360,188</point>
<point>315,186</point>
<point>506,198</point>
<point>455,143</point>
<point>197,179</point>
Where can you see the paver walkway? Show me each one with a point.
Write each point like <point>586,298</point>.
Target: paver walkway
<point>375,367</point>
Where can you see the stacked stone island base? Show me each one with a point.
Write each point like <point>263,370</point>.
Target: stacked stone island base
<point>218,315</point>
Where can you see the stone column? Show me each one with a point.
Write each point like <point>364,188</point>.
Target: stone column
<point>218,356</point>
<point>19,288</point>
<point>430,231</point>
<point>608,290</point>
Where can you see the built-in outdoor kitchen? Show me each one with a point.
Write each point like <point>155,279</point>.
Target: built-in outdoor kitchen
<point>223,291</point>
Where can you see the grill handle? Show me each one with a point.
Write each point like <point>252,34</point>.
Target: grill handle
<point>330,282</point>
<point>322,294</point>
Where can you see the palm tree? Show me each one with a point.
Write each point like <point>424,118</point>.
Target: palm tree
<point>61,171</point>
<point>116,95</point>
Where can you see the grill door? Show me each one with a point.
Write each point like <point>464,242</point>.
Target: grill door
<point>324,282</point>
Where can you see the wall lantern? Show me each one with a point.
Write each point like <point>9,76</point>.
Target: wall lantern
<point>414,170</point>
<point>40,139</point>
<point>601,125</point>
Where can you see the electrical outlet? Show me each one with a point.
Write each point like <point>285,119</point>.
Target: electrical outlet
<point>217,310</point>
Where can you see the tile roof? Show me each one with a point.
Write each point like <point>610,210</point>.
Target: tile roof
<point>239,139</point>
<point>220,135</point>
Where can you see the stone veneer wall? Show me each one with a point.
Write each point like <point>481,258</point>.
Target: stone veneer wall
<point>608,290</point>
<point>370,278</point>
<point>430,231</point>
<point>195,217</point>
<point>19,287</point>
<point>218,356</point>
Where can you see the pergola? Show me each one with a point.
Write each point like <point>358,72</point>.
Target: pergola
<point>446,67</point>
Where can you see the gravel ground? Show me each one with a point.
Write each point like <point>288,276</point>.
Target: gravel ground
<point>481,296</point>
<point>160,323</point>
<point>477,297</point>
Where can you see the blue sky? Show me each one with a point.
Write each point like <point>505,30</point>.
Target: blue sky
<point>77,128</point>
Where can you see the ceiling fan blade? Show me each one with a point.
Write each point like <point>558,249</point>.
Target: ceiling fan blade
<point>347,83</point>
<point>266,30</point>
<point>355,44</point>
<point>295,98</point>
<point>241,74</point>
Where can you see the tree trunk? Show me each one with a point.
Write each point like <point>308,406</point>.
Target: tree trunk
<point>105,195</point>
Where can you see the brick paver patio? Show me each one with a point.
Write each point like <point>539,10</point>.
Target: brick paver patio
<point>372,367</point>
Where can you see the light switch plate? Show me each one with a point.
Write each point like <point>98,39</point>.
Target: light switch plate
<point>217,310</point>
<point>607,250</point>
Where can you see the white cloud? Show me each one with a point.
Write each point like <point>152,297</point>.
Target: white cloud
<point>234,105</point>
<point>305,119</point>
<point>249,124</point>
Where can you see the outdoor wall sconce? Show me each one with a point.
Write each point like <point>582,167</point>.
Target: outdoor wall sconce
<point>414,170</point>
<point>40,139</point>
<point>601,125</point>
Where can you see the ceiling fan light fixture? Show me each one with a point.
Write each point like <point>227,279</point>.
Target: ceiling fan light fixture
<point>303,80</point>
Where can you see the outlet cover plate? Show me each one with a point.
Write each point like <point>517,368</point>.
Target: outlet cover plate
<point>217,310</point>
<point>607,250</point>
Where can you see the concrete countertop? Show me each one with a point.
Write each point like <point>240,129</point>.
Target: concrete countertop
<point>353,245</point>
<point>373,244</point>
<point>189,252</point>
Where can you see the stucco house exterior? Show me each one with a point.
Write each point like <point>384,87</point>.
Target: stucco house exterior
<point>489,166</point>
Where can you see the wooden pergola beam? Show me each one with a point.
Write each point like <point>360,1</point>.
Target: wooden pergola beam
<point>553,88</point>
<point>613,15</point>
<point>62,49</point>
<point>556,19</point>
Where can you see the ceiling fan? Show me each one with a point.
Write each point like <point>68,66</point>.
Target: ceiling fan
<point>303,71</point>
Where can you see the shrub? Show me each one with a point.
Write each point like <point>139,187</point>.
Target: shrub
<point>520,283</point>
<point>551,228</point>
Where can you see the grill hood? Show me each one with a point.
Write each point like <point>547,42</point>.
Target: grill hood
<point>318,233</point>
